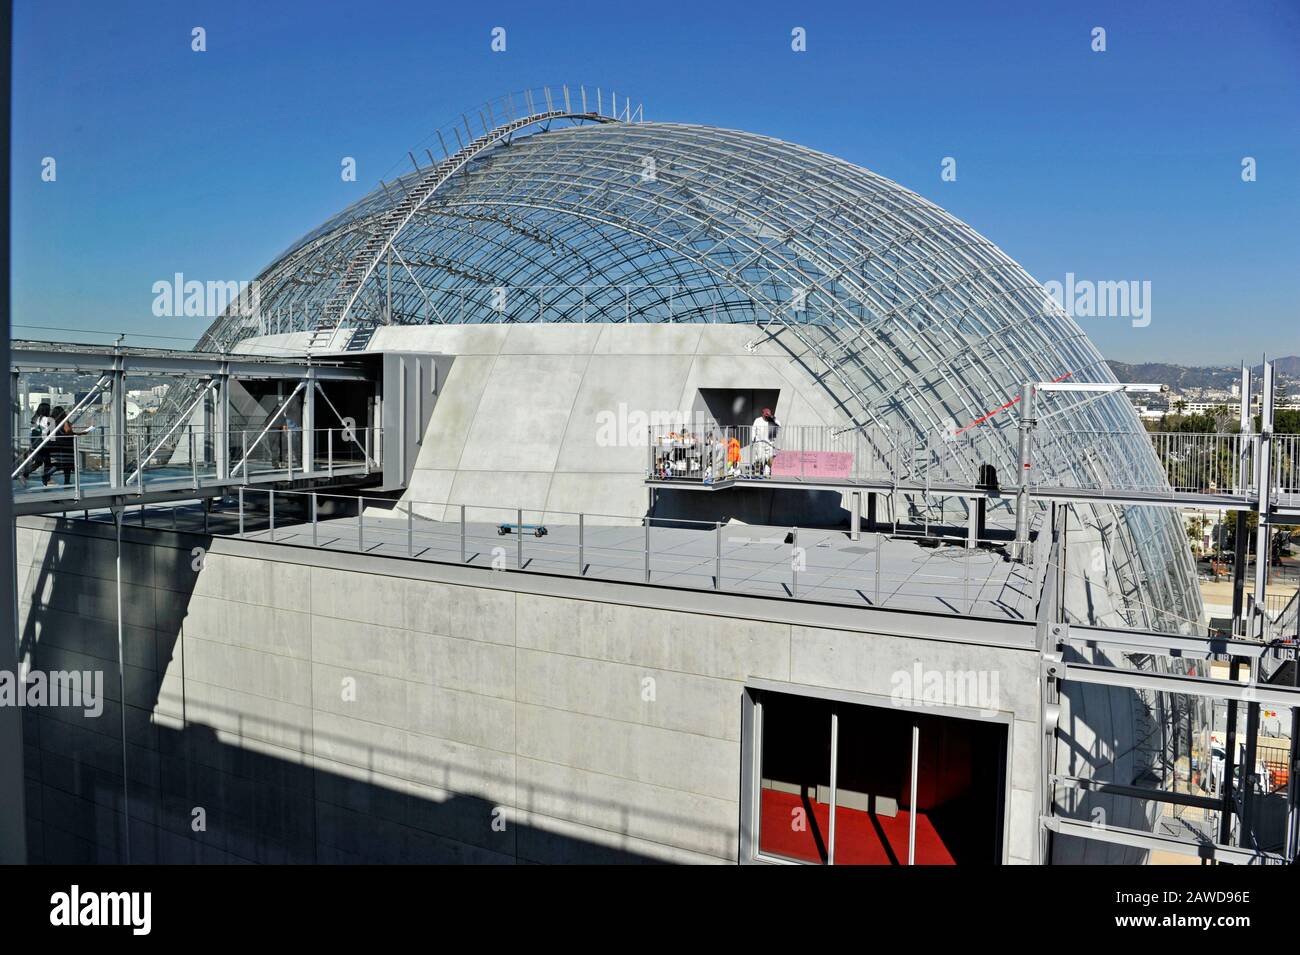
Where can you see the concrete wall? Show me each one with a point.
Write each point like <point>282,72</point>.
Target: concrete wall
<point>476,697</point>
<point>524,416</point>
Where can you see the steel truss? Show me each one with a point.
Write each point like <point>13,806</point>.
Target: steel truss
<point>205,378</point>
<point>540,208</point>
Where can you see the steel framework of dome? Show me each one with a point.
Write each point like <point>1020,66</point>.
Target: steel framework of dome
<point>565,206</point>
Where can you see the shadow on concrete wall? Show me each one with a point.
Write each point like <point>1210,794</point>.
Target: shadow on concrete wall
<point>259,802</point>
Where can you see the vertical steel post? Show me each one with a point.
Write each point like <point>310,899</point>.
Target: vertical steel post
<point>647,549</point>
<point>581,541</point>
<point>121,677</point>
<point>462,533</point>
<point>965,578</point>
<point>271,499</point>
<point>879,549</point>
<point>1229,761</point>
<point>76,466</point>
<point>194,462</point>
<point>1248,769</point>
<point>361,524</point>
<point>519,538</point>
<point>1264,492</point>
<point>314,536</point>
<point>794,562</point>
<point>117,425</point>
<point>911,807</point>
<point>410,530</point>
<point>241,512</point>
<point>835,785</point>
<point>717,555</point>
<point>1024,453</point>
<point>1293,785</point>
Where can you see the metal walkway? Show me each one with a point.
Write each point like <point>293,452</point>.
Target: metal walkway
<point>229,421</point>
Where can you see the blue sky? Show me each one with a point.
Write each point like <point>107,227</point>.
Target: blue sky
<point>1122,165</point>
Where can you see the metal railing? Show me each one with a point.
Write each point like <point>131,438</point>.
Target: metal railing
<point>961,575</point>
<point>1286,467</point>
<point>190,456</point>
<point>1100,460</point>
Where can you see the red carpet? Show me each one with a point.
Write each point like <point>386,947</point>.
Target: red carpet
<point>861,838</point>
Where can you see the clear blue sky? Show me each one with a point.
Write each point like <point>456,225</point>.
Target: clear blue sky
<point>1118,165</point>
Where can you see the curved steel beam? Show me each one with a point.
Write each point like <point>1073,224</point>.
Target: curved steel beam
<point>395,219</point>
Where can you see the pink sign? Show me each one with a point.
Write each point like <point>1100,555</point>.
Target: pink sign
<point>828,465</point>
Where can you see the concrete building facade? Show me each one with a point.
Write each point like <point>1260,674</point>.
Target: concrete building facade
<point>287,705</point>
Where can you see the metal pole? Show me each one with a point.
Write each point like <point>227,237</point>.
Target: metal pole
<point>717,555</point>
<point>410,531</point>
<point>313,519</point>
<point>76,467</point>
<point>272,510</point>
<point>965,578</point>
<point>1229,761</point>
<point>329,450</point>
<point>647,549</point>
<point>241,512</point>
<point>519,538</point>
<point>794,562</point>
<point>194,462</point>
<point>1244,837</point>
<point>879,547</point>
<point>1263,487</point>
<point>911,808</point>
<point>121,678</point>
<point>1293,786</point>
<point>1024,453</point>
<point>835,765</point>
<point>462,533</point>
<point>361,523</point>
<point>582,564</point>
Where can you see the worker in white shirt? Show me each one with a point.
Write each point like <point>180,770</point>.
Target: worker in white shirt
<point>763,435</point>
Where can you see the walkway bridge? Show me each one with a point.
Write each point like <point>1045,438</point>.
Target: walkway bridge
<point>226,421</point>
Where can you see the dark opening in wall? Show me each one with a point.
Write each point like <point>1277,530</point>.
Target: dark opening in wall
<point>817,754</point>
<point>732,407</point>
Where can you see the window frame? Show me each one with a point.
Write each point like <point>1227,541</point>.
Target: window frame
<point>751,730</point>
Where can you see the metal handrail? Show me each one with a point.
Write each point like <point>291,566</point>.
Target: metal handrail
<point>455,537</point>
